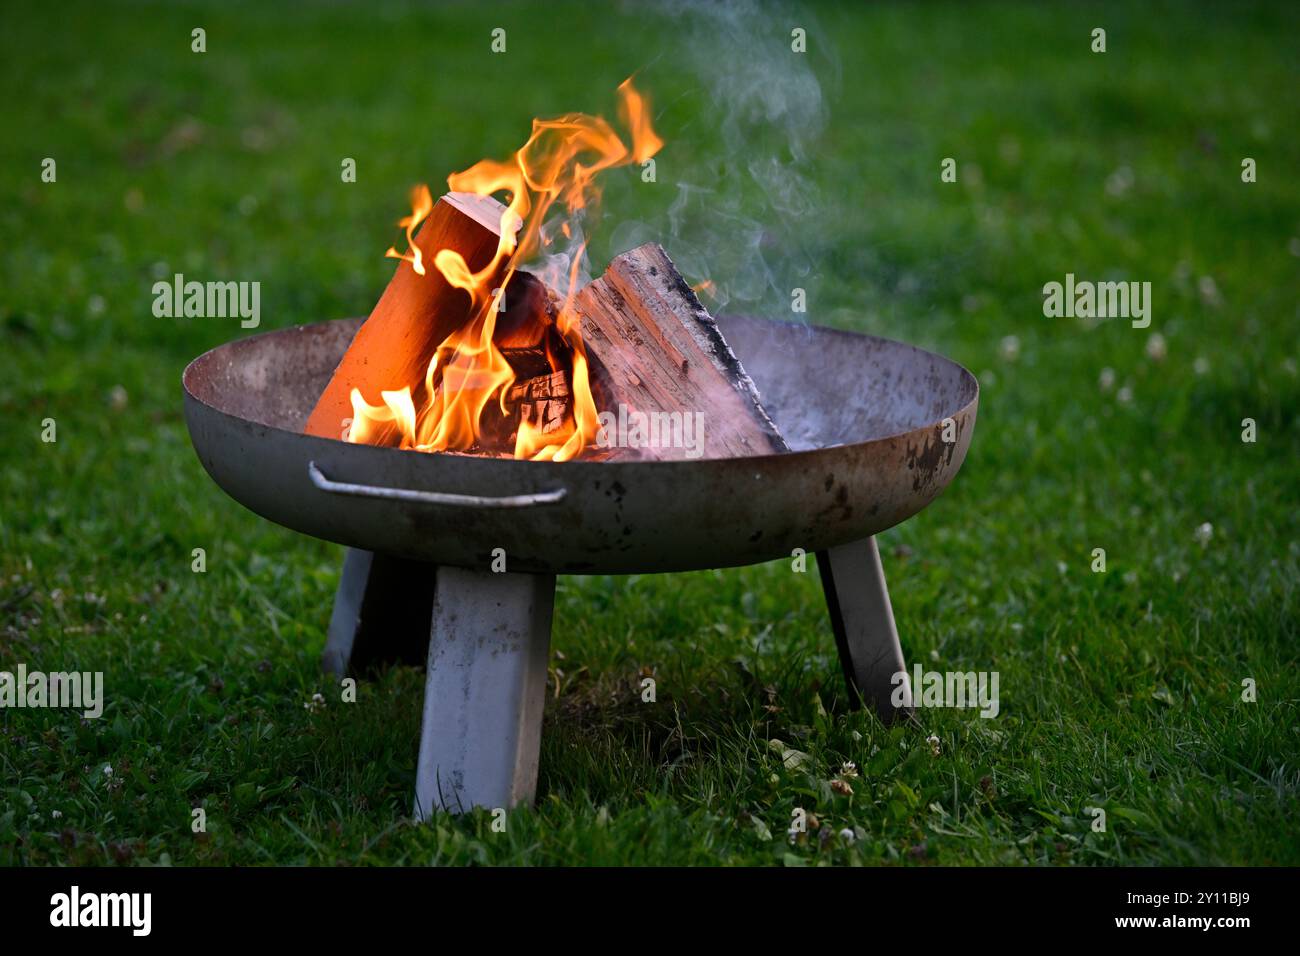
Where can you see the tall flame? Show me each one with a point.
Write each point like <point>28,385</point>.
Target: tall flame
<point>421,206</point>
<point>468,372</point>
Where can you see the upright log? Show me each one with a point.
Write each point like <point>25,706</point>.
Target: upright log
<point>414,315</point>
<point>654,349</point>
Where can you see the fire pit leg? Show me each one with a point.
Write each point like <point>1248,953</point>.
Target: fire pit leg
<point>488,649</point>
<point>863,621</point>
<point>381,614</point>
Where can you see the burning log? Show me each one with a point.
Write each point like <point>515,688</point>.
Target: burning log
<point>416,312</point>
<point>525,330</point>
<point>425,369</point>
<point>542,402</point>
<point>656,353</point>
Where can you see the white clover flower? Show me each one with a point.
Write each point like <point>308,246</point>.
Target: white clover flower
<point>1209,290</point>
<point>1120,181</point>
<point>1157,349</point>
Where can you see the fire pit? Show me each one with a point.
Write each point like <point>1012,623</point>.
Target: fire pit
<point>876,430</point>
<point>485,430</point>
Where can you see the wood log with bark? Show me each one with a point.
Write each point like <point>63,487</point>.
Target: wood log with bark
<point>655,349</point>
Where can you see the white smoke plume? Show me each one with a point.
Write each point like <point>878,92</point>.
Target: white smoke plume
<point>745,203</point>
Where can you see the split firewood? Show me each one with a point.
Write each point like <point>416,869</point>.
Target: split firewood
<point>415,314</point>
<point>655,353</point>
<point>543,401</point>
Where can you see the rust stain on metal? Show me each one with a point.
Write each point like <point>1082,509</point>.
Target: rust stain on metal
<point>926,462</point>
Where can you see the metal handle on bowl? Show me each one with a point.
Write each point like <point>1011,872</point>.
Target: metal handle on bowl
<point>432,497</point>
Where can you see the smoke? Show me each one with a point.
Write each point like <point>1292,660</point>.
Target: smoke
<point>743,50</point>
<point>741,223</point>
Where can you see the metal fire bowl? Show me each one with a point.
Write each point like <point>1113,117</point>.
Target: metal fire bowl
<point>864,416</point>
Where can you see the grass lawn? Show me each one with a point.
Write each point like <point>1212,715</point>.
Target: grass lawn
<point>1119,690</point>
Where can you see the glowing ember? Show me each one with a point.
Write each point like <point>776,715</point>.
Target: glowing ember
<point>468,376</point>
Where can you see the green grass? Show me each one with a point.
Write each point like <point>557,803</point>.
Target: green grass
<point>1119,690</point>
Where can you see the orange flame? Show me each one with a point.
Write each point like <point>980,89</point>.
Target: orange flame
<point>421,206</point>
<point>558,164</point>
